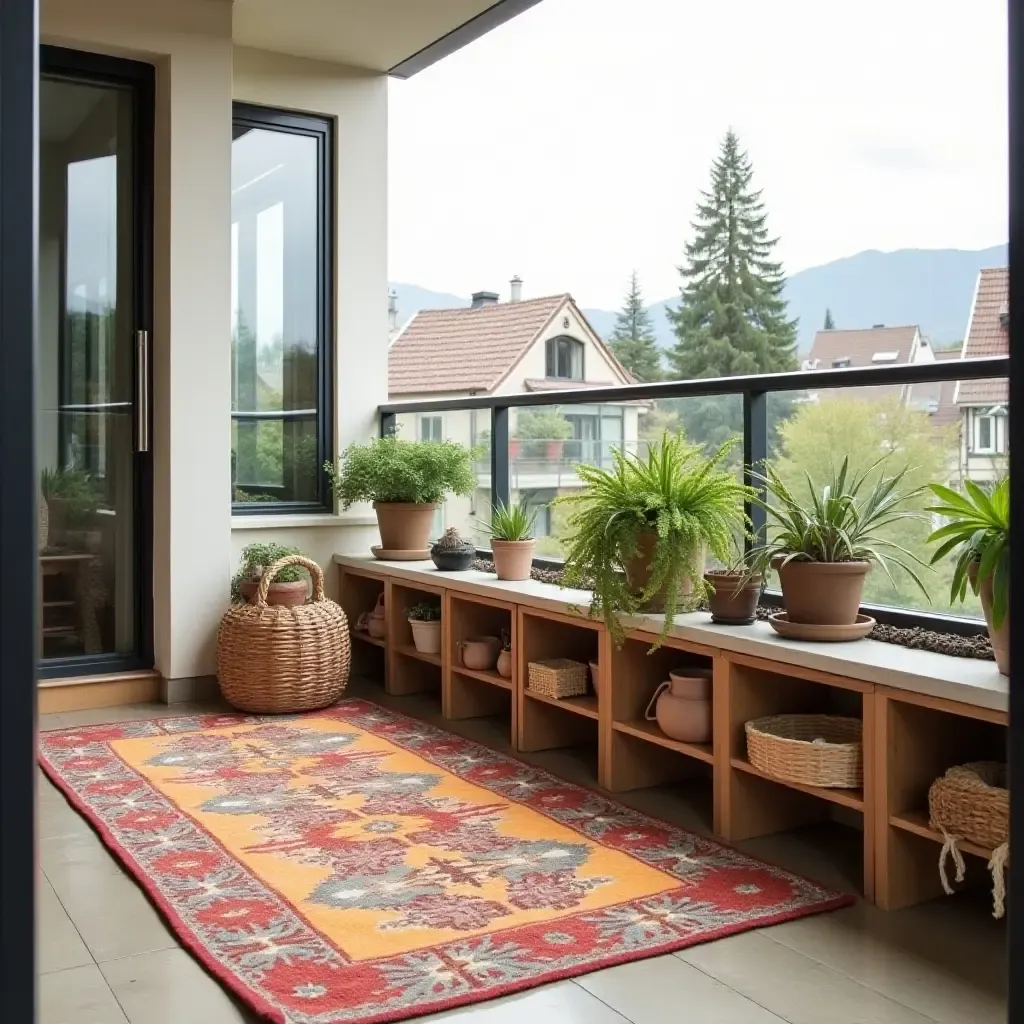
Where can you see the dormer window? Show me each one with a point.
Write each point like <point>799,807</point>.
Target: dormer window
<point>841,363</point>
<point>885,357</point>
<point>564,359</point>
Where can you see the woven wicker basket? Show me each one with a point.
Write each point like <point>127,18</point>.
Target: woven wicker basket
<point>272,659</point>
<point>559,677</point>
<point>971,802</point>
<point>815,750</point>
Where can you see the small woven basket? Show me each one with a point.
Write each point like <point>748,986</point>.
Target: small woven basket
<point>814,750</point>
<point>559,677</point>
<point>971,801</point>
<point>276,660</point>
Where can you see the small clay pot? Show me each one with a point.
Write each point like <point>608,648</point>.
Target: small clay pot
<point>288,595</point>
<point>504,664</point>
<point>426,636</point>
<point>375,626</point>
<point>1000,638</point>
<point>682,706</point>
<point>480,653</point>
<point>732,601</point>
<point>823,593</point>
<point>513,559</point>
<point>404,526</point>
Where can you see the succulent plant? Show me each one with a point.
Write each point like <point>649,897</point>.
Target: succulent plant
<point>451,541</point>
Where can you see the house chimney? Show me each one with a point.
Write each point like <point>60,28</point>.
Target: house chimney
<point>392,311</point>
<point>484,299</point>
<point>516,289</point>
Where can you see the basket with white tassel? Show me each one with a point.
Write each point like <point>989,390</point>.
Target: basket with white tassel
<point>971,803</point>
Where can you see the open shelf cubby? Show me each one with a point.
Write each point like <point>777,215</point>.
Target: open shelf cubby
<point>544,722</point>
<point>639,754</point>
<point>919,738</point>
<point>477,693</point>
<point>409,670</point>
<point>359,592</point>
<point>751,803</point>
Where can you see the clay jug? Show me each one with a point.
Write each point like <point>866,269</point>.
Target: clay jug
<point>682,707</point>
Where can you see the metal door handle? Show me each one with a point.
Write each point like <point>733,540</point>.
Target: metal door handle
<point>142,391</point>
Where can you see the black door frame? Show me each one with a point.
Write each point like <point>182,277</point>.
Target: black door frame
<point>139,78</point>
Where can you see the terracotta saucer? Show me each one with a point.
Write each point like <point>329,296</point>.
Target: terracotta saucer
<point>824,634</point>
<point>388,555</point>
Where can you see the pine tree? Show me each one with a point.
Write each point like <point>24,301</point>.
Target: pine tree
<point>830,324</point>
<point>732,315</point>
<point>633,340</point>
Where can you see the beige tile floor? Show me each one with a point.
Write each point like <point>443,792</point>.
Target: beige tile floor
<point>105,957</point>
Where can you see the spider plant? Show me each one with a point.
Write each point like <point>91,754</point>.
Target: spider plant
<point>512,522</point>
<point>845,521</point>
<point>639,532</point>
<point>979,530</point>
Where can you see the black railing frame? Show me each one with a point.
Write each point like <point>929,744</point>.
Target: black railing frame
<point>754,391</point>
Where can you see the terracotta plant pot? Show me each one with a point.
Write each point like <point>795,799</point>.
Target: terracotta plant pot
<point>288,595</point>
<point>513,559</point>
<point>426,636</point>
<point>823,593</point>
<point>1000,637</point>
<point>595,678</point>
<point>731,601</point>
<point>404,526</point>
<point>504,665</point>
<point>682,706</point>
<point>480,653</point>
<point>554,450</point>
<point>638,573</point>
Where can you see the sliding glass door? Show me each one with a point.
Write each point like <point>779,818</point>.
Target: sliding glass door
<point>93,376</point>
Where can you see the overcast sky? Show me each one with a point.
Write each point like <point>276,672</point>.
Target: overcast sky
<point>569,145</point>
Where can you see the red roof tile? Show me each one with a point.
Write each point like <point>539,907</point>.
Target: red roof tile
<point>465,349</point>
<point>858,348</point>
<point>986,336</point>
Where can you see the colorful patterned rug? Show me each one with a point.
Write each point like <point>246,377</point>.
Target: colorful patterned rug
<point>358,865</point>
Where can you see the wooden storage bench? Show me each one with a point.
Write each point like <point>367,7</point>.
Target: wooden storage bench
<point>921,712</point>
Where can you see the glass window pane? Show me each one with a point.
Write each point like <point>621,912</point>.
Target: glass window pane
<point>278,285</point>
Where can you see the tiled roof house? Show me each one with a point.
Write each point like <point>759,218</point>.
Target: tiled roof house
<point>983,403</point>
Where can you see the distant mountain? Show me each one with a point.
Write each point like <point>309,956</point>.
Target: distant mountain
<point>929,287</point>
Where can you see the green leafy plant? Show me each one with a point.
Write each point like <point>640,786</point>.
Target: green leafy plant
<point>543,425</point>
<point>979,531</point>
<point>689,503</point>
<point>390,469</point>
<point>76,490</point>
<point>845,521</point>
<point>256,558</point>
<point>425,611</point>
<point>515,521</point>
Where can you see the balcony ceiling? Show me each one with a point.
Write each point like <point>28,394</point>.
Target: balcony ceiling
<point>397,36</point>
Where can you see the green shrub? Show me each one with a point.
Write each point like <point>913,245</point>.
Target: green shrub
<point>255,560</point>
<point>543,425</point>
<point>389,469</point>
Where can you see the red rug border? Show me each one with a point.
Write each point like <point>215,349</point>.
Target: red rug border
<point>254,1001</point>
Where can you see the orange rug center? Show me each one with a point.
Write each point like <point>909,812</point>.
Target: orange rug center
<point>379,849</point>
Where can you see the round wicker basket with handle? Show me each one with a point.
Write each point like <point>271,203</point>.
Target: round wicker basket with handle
<point>272,659</point>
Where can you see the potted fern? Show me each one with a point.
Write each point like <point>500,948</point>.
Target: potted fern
<point>512,541</point>
<point>640,532</point>
<point>290,587</point>
<point>406,481</point>
<point>978,531</point>
<point>824,547</point>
